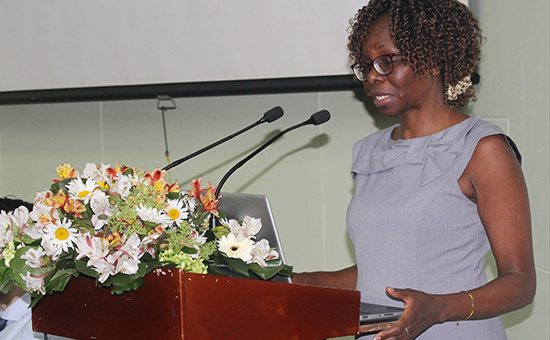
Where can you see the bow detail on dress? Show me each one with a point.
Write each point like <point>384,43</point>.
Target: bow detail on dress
<point>434,154</point>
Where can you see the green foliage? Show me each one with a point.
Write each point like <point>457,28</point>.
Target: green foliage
<point>223,265</point>
<point>60,279</point>
<point>5,280</point>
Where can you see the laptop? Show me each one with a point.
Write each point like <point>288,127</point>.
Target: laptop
<point>374,313</point>
<point>237,206</point>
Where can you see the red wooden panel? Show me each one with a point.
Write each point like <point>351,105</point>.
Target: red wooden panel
<point>182,306</point>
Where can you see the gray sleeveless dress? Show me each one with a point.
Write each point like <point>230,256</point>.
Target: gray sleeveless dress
<point>411,225</point>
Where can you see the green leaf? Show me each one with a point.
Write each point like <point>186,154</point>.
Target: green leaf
<point>121,283</point>
<point>188,250</point>
<point>61,185</point>
<point>286,271</point>
<point>125,283</point>
<point>83,268</point>
<point>173,195</point>
<point>60,279</point>
<point>19,268</point>
<point>265,273</point>
<point>84,223</point>
<point>220,231</point>
<point>5,281</point>
<point>154,265</point>
<point>34,299</point>
<point>237,265</point>
<point>224,270</point>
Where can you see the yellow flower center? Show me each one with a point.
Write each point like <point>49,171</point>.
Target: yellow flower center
<point>83,193</point>
<point>104,186</point>
<point>174,214</point>
<point>61,234</point>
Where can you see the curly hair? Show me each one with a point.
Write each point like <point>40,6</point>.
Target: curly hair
<point>430,34</point>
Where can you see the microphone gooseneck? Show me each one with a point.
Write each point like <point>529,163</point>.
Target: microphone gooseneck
<point>269,116</point>
<point>317,118</point>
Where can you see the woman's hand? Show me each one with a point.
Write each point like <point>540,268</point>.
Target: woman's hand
<point>421,312</point>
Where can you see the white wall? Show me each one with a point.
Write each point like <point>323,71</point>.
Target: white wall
<point>306,174</point>
<point>514,91</point>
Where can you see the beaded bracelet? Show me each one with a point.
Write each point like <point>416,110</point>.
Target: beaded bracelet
<point>472,306</point>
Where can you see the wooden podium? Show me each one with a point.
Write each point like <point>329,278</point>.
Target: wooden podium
<point>177,305</point>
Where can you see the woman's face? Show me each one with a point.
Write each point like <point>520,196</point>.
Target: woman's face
<point>402,90</point>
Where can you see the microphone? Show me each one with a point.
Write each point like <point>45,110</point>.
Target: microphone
<point>269,116</point>
<point>317,118</point>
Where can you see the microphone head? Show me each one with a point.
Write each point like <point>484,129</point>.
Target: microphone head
<point>273,114</point>
<point>320,117</point>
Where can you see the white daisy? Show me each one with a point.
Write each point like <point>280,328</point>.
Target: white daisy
<point>79,190</point>
<point>98,172</point>
<point>190,202</point>
<point>149,214</point>
<point>236,247</point>
<point>58,238</point>
<point>176,211</point>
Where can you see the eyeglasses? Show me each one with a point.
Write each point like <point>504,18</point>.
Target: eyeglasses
<point>383,64</point>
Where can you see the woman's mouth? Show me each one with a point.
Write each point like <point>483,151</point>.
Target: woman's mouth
<point>381,100</point>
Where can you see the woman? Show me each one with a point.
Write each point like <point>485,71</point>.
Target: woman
<point>439,190</point>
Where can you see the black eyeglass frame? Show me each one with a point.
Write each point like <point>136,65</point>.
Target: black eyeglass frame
<point>368,66</point>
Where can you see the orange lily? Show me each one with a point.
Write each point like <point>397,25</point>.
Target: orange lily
<point>113,172</point>
<point>206,196</point>
<point>74,207</point>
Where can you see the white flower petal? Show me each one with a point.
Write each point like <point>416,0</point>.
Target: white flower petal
<point>236,247</point>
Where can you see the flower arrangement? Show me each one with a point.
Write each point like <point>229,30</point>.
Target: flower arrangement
<point>117,224</point>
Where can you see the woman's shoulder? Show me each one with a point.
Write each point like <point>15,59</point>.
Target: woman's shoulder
<point>479,128</point>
